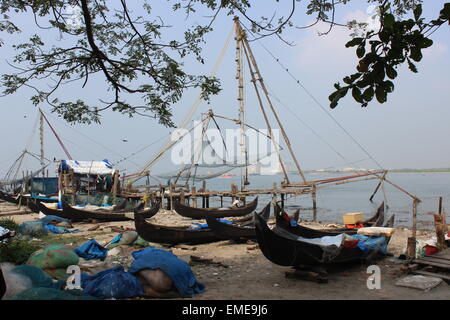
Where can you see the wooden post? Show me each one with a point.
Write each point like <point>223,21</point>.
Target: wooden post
<point>182,200</point>
<point>412,240</point>
<point>221,201</point>
<point>162,198</point>
<point>314,200</point>
<point>440,234</point>
<point>439,223</point>
<point>282,200</point>
<point>170,200</point>
<point>115,184</point>
<point>194,196</point>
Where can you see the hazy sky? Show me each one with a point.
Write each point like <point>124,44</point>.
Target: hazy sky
<point>411,130</point>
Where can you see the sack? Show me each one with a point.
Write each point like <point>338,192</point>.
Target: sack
<point>53,257</point>
<point>37,276</point>
<point>112,283</point>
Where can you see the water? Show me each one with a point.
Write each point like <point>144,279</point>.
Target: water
<point>333,201</point>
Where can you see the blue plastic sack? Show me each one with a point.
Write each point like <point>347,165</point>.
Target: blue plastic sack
<point>178,270</point>
<point>92,250</point>
<point>378,244</point>
<point>112,283</point>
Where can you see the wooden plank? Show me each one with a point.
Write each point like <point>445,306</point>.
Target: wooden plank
<point>437,256</point>
<point>434,264</point>
<point>437,260</point>
<point>432,274</point>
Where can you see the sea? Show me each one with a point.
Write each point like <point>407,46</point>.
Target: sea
<point>334,201</point>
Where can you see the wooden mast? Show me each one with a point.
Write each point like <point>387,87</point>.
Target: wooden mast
<point>240,98</point>
<point>266,93</point>
<point>240,33</point>
<point>41,135</point>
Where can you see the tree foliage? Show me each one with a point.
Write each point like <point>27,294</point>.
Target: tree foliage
<point>382,51</point>
<point>136,59</point>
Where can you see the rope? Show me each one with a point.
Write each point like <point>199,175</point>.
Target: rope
<point>196,104</point>
<point>347,162</point>
<point>57,137</point>
<point>316,101</point>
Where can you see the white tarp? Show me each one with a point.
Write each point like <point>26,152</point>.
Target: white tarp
<point>89,167</point>
<point>325,241</point>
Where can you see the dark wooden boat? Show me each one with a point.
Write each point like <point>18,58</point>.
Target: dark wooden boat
<point>203,213</point>
<point>390,222</point>
<point>37,206</point>
<point>147,212</point>
<point>282,221</point>
<point>171,235</point>
<point>10,198</point>
<point>284,248</point>
<point>243,230</point>
<point>68,212</point>
<point>103,215</point>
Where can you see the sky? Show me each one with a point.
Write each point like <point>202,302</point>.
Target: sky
<point>410,130</point>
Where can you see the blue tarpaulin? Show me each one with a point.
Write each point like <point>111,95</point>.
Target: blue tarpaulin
<point>92,250</point>
<point>178,270</point>
<point>365,243</point>
<point>44,226</point>
<point>199,226</point>
<point>112,283</point>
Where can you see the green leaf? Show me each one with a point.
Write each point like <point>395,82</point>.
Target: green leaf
<point>390,72</point>
<point>445,13</point>
<point>360,51</point>
<point>415,54</point>
<point>381,94</point>
<point>356,93</point>
<point>388,21</point>
<point>417,12</point>
<point>354,42</point>
<point>412,66</point>
<point>368,94</point>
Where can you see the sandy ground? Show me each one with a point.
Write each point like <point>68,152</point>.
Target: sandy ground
<point>244,273</point>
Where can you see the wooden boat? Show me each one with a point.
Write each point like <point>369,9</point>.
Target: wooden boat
<point>147,212</point>
<point>284,248</point>
<point>104,215</point>
<point>203,213</point>
<point>10,198</point>
<point>282,221</point>
<point>37,206</point>
<point>390,222</point>
<point>171,235</point>
<point>68,212</point>
<point>245,230</point>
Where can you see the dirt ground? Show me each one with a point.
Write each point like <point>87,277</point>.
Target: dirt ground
<point>244,272</point>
